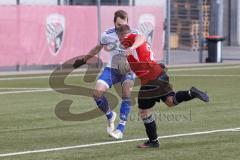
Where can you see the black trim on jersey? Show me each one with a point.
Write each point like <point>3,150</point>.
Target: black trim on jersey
<point>103,43</point>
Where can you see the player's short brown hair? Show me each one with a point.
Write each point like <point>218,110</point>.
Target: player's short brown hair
<point>123,28</point>
<point>121,14</point>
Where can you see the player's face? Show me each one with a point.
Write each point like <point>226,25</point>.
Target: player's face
<point>120,22</point>
<point>122,35</point>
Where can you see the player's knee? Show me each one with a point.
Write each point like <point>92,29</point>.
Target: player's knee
<point>128,84</point>
<point>99,90</point>
<point>144,113</point>
<point>127,88</point>
<point>126,94</point>
<point>169,101</point>
<point>97,94</point>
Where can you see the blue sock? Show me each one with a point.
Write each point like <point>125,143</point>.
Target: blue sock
<point>102,104</point>
<point>124,111</point>
<point>109,114</point>
<point>121,126</point>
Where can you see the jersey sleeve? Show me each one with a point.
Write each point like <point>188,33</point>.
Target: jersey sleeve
<point>106,38</point>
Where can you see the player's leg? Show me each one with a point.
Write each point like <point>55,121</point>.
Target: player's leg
<point>125,109</point>
<point>145,106</point>
<point>103,84</point>
<point>100,99</point>
<point>127,82</point>
<point>174,99</point>
<point>150,127</point>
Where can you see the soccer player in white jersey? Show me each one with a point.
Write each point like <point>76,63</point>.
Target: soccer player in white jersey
<point>111,75</point>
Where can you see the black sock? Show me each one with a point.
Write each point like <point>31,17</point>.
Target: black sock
<point>181,96</point>
<point>151,128</point>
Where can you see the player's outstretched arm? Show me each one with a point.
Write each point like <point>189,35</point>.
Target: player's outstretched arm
<point>91,53</point>
<point>139,40</point>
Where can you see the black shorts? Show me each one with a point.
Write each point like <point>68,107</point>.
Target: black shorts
<point>153,92</point>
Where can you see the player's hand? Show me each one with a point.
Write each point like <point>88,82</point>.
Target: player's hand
<point>78,63</point>
<point>128,51</point>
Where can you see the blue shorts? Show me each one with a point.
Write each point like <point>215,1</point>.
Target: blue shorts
<point>112,76</point>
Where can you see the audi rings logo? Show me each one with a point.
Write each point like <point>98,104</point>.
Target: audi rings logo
<point>55,27</point>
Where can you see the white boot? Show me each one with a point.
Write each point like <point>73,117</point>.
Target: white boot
<point>111,126</point>
<point>117,134</point>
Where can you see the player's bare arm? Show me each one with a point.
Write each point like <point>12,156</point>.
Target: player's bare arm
<point>139,40</point>
<point>91,53</point>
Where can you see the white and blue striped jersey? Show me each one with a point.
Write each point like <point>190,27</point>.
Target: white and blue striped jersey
<point>110,39</point>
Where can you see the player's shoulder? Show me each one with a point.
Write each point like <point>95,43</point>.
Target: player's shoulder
<point>133,34</point>
<point>108,36</point>
<point>135,31</point>
<point>109,31</point>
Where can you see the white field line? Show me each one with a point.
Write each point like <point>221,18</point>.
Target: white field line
<point>26,91</point>
<point>81,74</point>
<point>114,142</point>
<point>30,91</point>
<point>21,78</point>
<point>20,88</point>
<point>204,68</point>
<point>203,75</point>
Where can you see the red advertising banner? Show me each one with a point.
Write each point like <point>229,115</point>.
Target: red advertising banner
<point>45,34</point>
<point>42,35</point>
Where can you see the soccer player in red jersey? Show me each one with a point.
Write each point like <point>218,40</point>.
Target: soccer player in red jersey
<point>155,84</point>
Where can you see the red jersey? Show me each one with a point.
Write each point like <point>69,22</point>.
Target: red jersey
<point>142,61</point>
